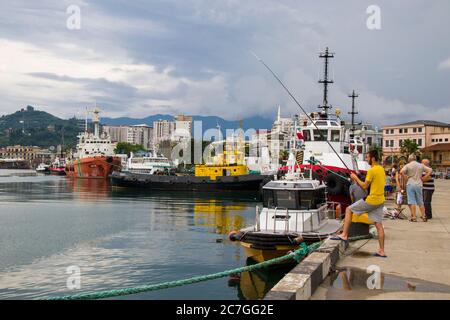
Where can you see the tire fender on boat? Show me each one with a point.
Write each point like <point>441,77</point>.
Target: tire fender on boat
<point>334,184</point>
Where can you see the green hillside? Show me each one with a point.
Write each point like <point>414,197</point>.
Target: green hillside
<point>37,128</point>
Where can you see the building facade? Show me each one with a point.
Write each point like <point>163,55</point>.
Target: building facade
<point>423,132</point>
<point>182,128</point>
<point>439,154</point>
<point>33,154</point>
<point>136,134</point>
<point>369,134</point>
<point>162,131</point>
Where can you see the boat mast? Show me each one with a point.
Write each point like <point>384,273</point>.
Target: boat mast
<point>325,81</point>
<point>353,113</point>
<point>62,142</point>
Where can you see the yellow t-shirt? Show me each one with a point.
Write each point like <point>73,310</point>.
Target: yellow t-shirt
<point>377,179</point>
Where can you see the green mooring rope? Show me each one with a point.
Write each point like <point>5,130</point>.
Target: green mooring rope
<point>316,162</point>
<point>297,255</point>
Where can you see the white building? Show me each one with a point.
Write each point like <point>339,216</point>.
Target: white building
<point>162,131</point>
<point>140,134</point>
<point>136,134</point>
<point>183,128</point>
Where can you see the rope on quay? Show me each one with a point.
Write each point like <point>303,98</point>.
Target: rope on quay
<point>297,255</point>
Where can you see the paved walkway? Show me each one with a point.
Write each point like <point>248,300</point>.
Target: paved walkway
<point>418,263</point>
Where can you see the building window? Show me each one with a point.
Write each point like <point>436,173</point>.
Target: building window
<point>415,141</point>
<point>400,142</point>
<point>400,130</point>
<point>405,130</point>
<point>432,140</point>
<point>392,131</point>
<point>387,131</point>
<point>414,130</point>
<point>387,143</point>
<point>419,142</point>
<point>440,140</point>
<point>446,139</point>
<point>419,129</point>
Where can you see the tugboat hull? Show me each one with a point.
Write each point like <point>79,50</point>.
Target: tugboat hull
<point>99,167</point>
<point>249,182</point>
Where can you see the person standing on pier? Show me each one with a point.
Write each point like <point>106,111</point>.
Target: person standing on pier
<point>414,171</point>
<point>400,180</point>
<point>373,204</point>
<point>428,189</point>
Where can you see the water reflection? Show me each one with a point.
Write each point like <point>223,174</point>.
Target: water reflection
<point>255,285</point>
<point>352,283</point>
<point>119,238</point>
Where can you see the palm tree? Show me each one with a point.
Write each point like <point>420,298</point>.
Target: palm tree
<point>408,147</point>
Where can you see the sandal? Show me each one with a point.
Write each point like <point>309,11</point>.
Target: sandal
<point>424,219</point>
<point>413,220</point>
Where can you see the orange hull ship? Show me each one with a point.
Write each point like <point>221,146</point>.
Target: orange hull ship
<point>93,167</point>
<point>94,156</point>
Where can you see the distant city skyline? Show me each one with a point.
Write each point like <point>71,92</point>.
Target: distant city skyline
<point>141,58</point>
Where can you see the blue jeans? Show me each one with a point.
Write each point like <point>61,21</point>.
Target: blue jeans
<point>415,194</point>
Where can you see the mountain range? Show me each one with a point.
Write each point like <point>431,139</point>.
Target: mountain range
<point>39,128</point>
<point>207,121</point>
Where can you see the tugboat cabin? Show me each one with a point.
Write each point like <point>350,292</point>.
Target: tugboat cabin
<point>293,195</point>
<point>293,206</point>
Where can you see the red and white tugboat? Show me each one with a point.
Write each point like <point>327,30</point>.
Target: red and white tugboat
<point>323,145</point>
<point>95,156</point>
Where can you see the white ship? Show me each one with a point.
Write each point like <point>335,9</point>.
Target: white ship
<point>148,164</point>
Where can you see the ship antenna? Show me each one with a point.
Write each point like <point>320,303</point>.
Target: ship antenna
<point>325,81</point>
<point>86,121</point>
<point>300,106</point>
<point>353,113</point>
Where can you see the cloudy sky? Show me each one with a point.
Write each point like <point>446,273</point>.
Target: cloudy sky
<point>137,58</point>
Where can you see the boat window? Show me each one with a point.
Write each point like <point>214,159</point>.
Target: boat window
<point>321,123</point>
<point>268,200</point>
<point>286,199</point>
<point>320,197</point>
<point>319,137</point>
<point>306,199</point>
<point>335,135</point>
<point>307,135</point>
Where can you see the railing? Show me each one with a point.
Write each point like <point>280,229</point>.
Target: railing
<point>287,216</point>
<point>326,210</point>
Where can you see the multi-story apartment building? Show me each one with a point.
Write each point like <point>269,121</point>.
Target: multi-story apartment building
<point>136,134</point>
<point>162,131</point>
<point>424,132</point>
<point>182,128</point>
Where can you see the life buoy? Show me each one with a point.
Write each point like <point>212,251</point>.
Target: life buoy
<point>335,185</point>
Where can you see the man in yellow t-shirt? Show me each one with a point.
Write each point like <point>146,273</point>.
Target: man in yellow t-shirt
<point>374,203</point>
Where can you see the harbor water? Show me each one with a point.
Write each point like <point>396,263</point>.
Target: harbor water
<point>52,227</point>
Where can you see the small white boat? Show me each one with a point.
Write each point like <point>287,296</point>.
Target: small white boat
<point>295,210</point>
<point>43,168</point>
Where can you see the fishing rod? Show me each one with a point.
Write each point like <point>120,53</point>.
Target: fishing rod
<point>303,110</point>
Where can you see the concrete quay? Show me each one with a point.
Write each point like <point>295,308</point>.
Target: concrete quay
<point>417,266</point>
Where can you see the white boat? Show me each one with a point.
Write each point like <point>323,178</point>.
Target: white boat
<point>295,210</point>
<point>148,164</point>
<point>43,168</point>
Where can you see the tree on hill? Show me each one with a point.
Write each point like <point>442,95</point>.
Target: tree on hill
<point>37,128</point>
